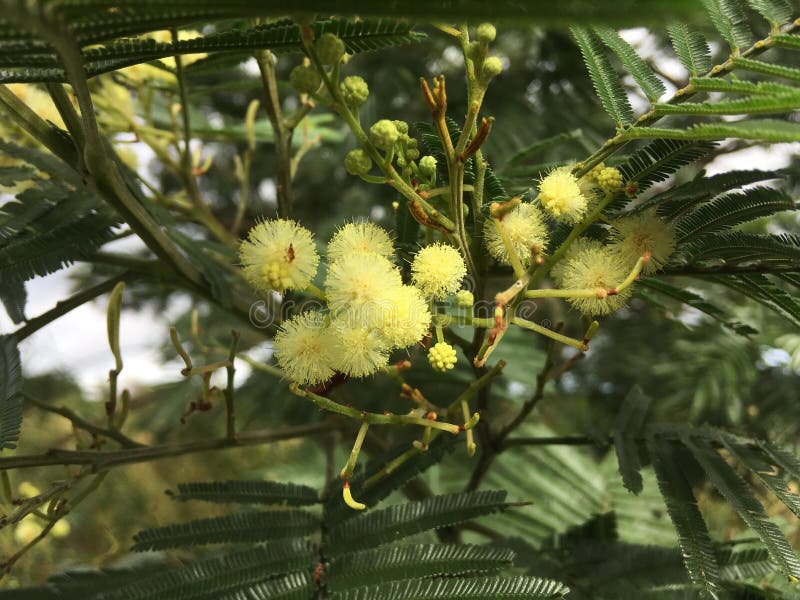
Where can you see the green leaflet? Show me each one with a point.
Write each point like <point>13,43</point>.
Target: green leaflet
<point>757,66</point>
<point>732,209</point>
<point>691,48</point>
<point>10,403</point>
<point>247,492</point>
<point>756,105</point>
<point>695,542</point>
<point>731,22</point>
<point>508,588</point>
<point>281,36</point>
<point>606,82</point>
<point>639,70</point>
<point>209,578</point>
<point>658,160</point>
<point>628,426</point>
<point>396,522</point>
<point>237,527</point>
<point>379,565</point>
<point>716,84</point>
<point>763,130</point>
<point>776,12</point>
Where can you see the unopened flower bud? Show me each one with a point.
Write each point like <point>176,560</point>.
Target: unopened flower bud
<point>464,299</point>
<point>492,67</point>
<point>486,33</point>
<point>427,165</point>
<point>305,79</point>
<point>442,357</point>
<point>610,179</point>
<point>357,162</point>
<point>354,90</point>
<point>330,49</point>
<point>384,134</point>
<point>402,127</point>
<point>412,154</point>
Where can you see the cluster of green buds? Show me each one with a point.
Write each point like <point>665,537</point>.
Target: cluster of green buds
<point>486,67</point>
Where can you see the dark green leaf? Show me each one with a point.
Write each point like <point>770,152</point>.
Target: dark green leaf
<point>237,527</point>
<point>396,522</point>
<point>629,424</point>
<point>691,48</point>
<point>636,66</point>
<point>247,492</point>
<point>10,404</point>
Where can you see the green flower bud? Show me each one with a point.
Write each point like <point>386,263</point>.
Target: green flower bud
<point>412,154</point>
<point>486,33</point>
<point>384,134</point>
<point>492,67</point>
<point>401,162</point>
<point>305,79</point>
<point>354,90</point>
<point>402,126</point>
<point>330,49</point>
<point>465,299</point>
<point>427,166</point>
<point>357,162</point>
<point>412,143</point>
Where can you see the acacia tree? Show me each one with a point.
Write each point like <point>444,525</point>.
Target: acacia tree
<point>400,340</point>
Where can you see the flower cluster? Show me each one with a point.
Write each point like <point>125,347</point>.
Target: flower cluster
<point>369,311</point>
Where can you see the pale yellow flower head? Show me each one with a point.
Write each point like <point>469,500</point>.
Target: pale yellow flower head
<point>359,238</point>
<point>26,530</point>
<point>362,282</point>
<point>279,255</point>
<point>524,227</point>
<point>407,318</point>
<point>357,351</point>
<point>437,271</point>
<point>582,244</point>
<point>599,269</point>
<point>644,232</point>
<point>560,195</point>
<point>302,348</point>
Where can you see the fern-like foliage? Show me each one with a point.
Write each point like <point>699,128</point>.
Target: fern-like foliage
<point>691,48</point>
<point>50,225</point>
<point>10,404</point>
<point>606,82</point>
<point>247,492</point>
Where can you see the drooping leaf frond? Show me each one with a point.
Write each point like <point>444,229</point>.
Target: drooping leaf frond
<point>761,289</point>
<point>630,420</point>
<point>691,48</point>
<point>10,404</point>
<point>730,20</point>
<point>776,12</point>
<point>606,82</point>
<point>741,498</point>
<point>639,70</point>
<point>695,542</point>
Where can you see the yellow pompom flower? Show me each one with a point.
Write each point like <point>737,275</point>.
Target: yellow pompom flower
<point>442,357</point>
<point>357,351</point>
<point>601,270</point>
<point>279,255</point>
<point>362,284</point>
<point>359,238</point>
<point>61,529</point>
<point>610,179</point>
<point>560,195</point>
<point>302,348</point>
<point>582,244</point>
<point>644,232</point>
<point>437,271</point>
<point>407,318</point>
<point>524,227</point>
